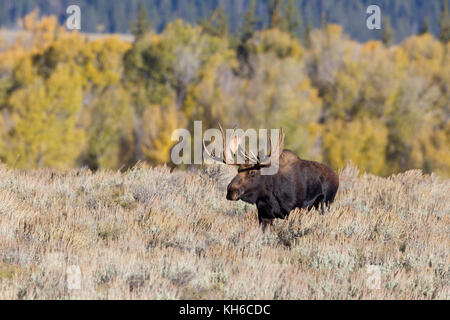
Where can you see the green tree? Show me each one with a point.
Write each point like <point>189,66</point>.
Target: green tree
<point>217,23</point>
<point>243,48</point>
<point>293,18</point>
<point>323,20</point>
<point>387,34</point>
<point>425,28</point>
<point>307,35</point>
<point>275,14</point>
<point>444,24</point>
<point>109,128</point>
<point>142,22</point>
<point>250,22</point>
<point>222,22</point>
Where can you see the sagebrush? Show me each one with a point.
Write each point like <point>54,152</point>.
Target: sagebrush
<point>150,233</point>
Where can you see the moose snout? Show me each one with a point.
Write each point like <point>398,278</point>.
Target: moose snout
<point>233,194</point>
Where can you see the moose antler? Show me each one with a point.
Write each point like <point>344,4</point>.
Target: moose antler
<point>235,147</point>
<point>210,155</point>
<point>252,158</point>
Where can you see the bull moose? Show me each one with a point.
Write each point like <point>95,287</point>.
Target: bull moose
<point>297,184</point>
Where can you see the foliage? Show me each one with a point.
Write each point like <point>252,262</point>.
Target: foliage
<point>387,34</point>
<point>66,101</point>
<point>149,233</point>
<point>444,24</point>
<point>362,142</point>
<point>119,16</point>
<point>56,78</point>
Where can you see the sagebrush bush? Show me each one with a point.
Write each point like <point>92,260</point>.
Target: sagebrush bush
<point>150,233</point>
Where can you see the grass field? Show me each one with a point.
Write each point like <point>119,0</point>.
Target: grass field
<point>152,234</point>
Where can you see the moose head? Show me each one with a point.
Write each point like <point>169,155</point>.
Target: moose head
<point>247,185</point>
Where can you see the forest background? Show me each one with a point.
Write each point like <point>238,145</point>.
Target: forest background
<point>377,98</point>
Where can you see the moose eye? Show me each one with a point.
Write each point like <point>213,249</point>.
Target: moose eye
<point>251,174</point>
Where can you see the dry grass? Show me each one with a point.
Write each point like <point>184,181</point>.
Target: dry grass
<point>152,234</point>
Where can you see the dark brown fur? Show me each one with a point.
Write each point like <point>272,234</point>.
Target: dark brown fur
<point>298,184</point>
